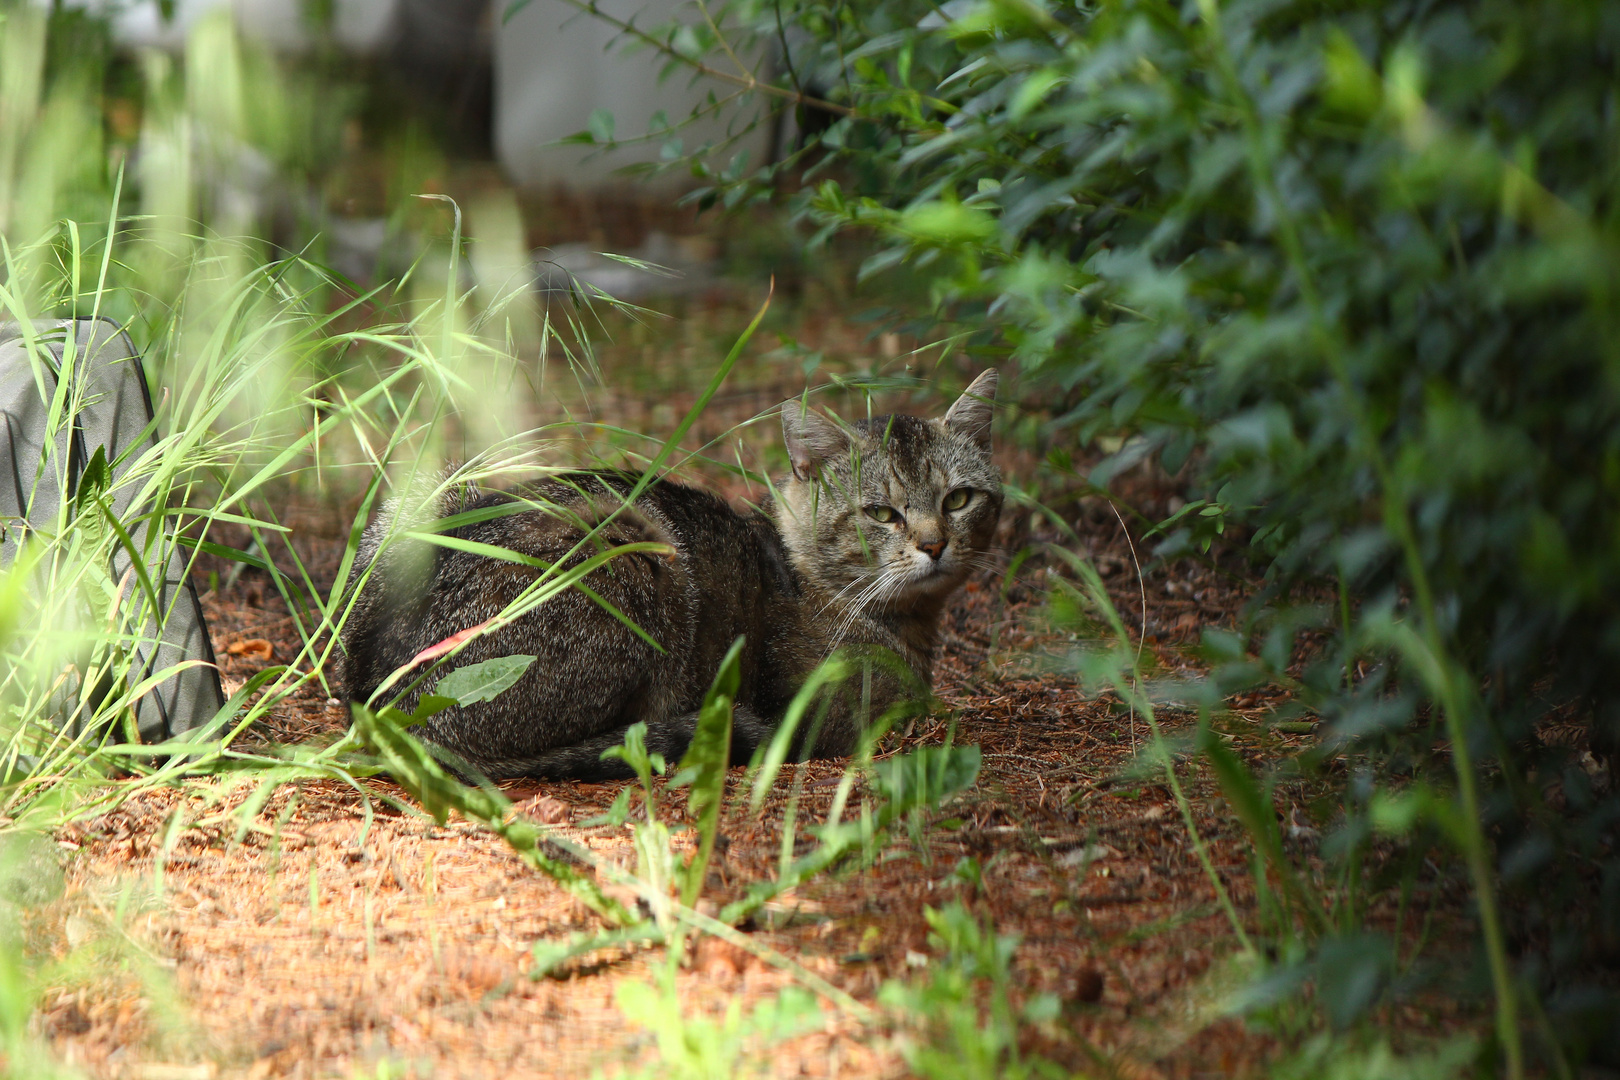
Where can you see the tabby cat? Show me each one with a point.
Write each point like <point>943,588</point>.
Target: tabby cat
<point>878,523</point>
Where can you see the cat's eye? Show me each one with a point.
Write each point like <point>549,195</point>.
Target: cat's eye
<point>958,499</point>
<point>885,515</point>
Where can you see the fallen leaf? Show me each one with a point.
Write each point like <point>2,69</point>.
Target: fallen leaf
<point>480,974</point>
<point>1087,853</point>
<point>549,810</point>
<point>718,959</point>
<point>79,930</point>
<point>252,648</point>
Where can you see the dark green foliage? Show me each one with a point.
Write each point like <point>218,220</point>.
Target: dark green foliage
<point>1353,268</point>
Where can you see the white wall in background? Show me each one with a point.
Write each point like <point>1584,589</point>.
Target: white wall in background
<point>553,66</point>
<point>360,25</point>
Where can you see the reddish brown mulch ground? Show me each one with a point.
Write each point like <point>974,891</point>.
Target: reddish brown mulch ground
<point>318,944</point>
<point>326,941</point>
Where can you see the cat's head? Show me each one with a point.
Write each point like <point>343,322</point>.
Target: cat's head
<point>895,510</point>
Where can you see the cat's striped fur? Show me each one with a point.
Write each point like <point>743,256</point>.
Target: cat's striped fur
<point>879,522</point>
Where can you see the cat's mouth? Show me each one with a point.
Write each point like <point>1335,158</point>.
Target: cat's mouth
<point>901,585</point>
<point>934,575</point>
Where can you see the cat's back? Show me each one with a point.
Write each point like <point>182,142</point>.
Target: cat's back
<point>732,567</point>
<point>709,539</point>
<point>700,573</point>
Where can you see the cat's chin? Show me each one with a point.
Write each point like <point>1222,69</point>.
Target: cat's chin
<point>928,583</point>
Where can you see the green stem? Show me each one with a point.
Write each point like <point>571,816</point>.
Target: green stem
<point>1162,749</point>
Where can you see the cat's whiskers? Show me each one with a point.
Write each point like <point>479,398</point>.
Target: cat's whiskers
<point>859,580</point>
<point>980,562</point>
<point>885,582</point>
<point>881,581</point>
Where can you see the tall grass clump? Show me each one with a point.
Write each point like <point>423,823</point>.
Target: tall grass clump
<point>270,373</point>
<point>241,413</point>
<point>1349,272</point>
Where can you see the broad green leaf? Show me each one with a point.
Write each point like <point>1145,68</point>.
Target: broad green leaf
<point>430,705</point>
<point>927,776</point>
<point>1351,972</point>
<point>617,813</point>
<point>482,682</point>
<point>1033,90</point>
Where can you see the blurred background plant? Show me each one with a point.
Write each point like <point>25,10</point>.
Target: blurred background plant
<point>194,192</point>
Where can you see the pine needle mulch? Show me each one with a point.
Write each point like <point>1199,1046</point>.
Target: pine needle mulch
<point>341,936</point>
<point>324,941</point>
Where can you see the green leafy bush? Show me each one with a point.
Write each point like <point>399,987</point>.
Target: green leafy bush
<point>1350,270</point>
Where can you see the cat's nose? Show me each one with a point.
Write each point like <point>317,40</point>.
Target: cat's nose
<point>934,548</point>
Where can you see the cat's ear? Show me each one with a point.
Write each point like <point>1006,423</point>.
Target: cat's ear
<point>811,438</point>
<point>972,412</point>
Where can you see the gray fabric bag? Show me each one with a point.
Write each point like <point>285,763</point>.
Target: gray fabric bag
<point>115,416</point>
